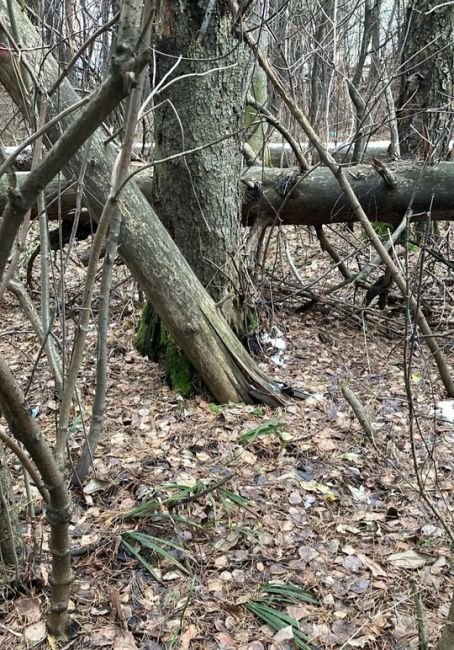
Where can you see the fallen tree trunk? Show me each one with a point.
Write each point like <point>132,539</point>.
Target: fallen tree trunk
<point>281,154</point>
<point>314,199</point>
<point>191,316</point>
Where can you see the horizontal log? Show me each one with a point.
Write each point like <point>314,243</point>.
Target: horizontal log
<point>281,154</point>
<point>313,199</point>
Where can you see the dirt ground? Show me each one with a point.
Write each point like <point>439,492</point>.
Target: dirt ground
<point>308,498</point>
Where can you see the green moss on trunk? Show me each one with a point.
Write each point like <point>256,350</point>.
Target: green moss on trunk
<point>154,340</point>
<point>146,340</point>
<point>177,366</point>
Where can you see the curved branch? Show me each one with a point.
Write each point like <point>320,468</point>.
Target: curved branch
<point>26,464</point>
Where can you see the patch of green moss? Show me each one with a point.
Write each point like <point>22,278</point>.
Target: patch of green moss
<point>146,340</point>
<point>177,366</point>
<point>141,339</point>
<point>154,340</point>
<point>252,321</point>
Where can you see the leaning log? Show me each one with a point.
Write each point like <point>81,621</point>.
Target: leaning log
<point>191,316</point>
<point>314,199</point>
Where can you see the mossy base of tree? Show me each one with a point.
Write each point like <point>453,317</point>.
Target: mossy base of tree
<point>148,336</point>
<point>179,371</point>
<point>154,340</point>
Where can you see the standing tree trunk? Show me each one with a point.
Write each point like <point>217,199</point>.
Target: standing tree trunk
<point>197,196</point>
<point>425,106</point>
<point>322,69</point>
<point>356,87</point>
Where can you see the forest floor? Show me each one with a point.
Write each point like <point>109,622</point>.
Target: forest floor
<point>306,499</point>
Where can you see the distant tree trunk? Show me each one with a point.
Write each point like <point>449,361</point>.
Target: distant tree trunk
<point>257,127</point>
<point>425,106</point>
<point>356,87</point>
<point>322,68</point>
<point>255,124</point>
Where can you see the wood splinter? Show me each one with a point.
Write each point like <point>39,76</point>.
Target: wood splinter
<point>388,176</point>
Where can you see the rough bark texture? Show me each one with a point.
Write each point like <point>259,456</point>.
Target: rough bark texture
<point>315,199</point>
<point>197,197</point>
<point>425,106</point>
<point>447,636</point>
<point>192,317</point>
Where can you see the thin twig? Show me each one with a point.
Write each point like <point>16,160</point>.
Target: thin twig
<point>423,642</point>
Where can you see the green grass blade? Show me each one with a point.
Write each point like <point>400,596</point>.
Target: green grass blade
<point>157,546</point>
<point>281,594</point>
<point>167,516</point>
<point>234,497</point>
<point>272,427</point>
<point>288,593</point>
<point>277,620</point>
<point>141,559</point>
<point>145,509</point>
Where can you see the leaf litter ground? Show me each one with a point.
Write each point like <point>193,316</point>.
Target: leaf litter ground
<point>245,496</point>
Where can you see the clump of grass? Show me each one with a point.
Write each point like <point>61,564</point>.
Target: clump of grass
<point>275,595</point>
<point>269,428</point>
<point>132,539</point>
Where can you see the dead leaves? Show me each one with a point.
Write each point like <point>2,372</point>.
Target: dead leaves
<point>326,509</point>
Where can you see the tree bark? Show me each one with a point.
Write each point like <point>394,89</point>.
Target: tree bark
<point>447,636</point>
<point>197,197</point>
<point>190,314</point>
<point>425,106</point>
<point>58,507</point>
<point>315,199</point>
<point>11,544</point>
<point>203,222</point>
<point>322,69</point>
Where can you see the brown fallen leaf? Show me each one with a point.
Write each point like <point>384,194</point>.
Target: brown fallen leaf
<point>409,559</point>
<point>188,635</point>
<point>35,633</point>
<point>125,641</point>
